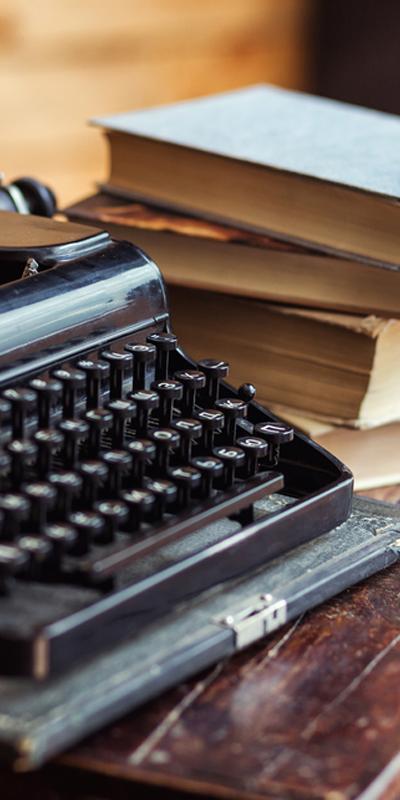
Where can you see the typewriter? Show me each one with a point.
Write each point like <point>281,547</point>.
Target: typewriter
<point>117,449</point>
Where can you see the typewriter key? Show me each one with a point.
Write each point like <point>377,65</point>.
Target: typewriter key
<point>214,371</point>
<point>89,526</point>
<point>140,503</point>
<point>165,343</point>
<point>187,480</point>
<point>62,539</point>
<point>94,475</point>
<point>119,363</point>
<point>210,469</point>
<point>14,509</point>
<point>99,420</point>
<point>232,459</point>
<point>12,561</point>
<point>21,401</point>
<point>73,381</point>
<point>48,441</point>
<point>22,453</point>
<point>73,430</point>
<point>165,494</point>
<point>122,411</point>
<point>275,434</point>
<point>168,392</point>
<point>118,463</point>
<point>233,410</point>
<point>165,441</point>
<point>192,381</point>
<point>38,552</point>
<point>143,355</point>
<point>68,486</point>
<point>48,392</point>
<point>42,497</point>
<point>189,430</point>
<point>254,449</point>
<point>213,422</point>
<point>146,401</point>
<point>142,452</point>
<point>96,373</point>
<point>115,515</point>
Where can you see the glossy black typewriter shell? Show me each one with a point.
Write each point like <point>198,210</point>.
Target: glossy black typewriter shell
<point>116,449</point>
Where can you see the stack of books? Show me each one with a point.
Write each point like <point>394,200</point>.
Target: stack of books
<point>275,219</point>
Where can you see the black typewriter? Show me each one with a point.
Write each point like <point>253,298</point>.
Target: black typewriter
<point>116,449</point>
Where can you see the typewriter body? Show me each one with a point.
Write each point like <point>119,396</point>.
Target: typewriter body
<point>116,446</point>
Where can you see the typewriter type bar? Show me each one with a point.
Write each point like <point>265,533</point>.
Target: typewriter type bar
<point>115,447</point>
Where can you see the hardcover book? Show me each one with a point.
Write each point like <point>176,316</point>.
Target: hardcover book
<point>304,168</point>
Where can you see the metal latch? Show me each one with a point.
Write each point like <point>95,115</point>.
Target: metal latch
<point>261,615</point>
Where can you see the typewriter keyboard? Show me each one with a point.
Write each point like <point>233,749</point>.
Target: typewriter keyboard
<point>108,459</point>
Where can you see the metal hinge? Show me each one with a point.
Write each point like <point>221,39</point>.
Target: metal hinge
<point>261,615</point>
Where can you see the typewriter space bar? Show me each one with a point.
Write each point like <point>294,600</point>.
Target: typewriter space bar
<point>227,504</point>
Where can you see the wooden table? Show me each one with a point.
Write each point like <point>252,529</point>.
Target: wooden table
<point>310,714</point>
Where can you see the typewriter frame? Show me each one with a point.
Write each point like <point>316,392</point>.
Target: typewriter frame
<point>321,487</point>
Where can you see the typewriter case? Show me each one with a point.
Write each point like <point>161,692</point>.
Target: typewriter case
<point>70,291</point>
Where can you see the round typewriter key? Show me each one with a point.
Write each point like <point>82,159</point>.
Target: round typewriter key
<point>12,561</point>
<point>233,409</point>
<point>119,363</point>
<point>122,411</point>
<point>62,539</point>
<point>146,401</point>
<point>39,552</point>
<point>169,392</point>
<point>22,402</point>
<point>48,392</point>
<point>165,343</point>
<point>68,486</point>
<point>118,463</point>
<point>143,452</point>
<point>275,434</point>
<point>99,420</point>
<point>115,515</point>
<point>140,503</point>
<point>187,479</point>
<point>14,509</point>
<point>214,371</point>
<point>254,449</point>
<point>232,459</point>
<point>73,430</point>
<point>213,422</point>
<point>96,373</point>
<point>165,494</point>
<point>89,526</point>
<point>22,453</point>
<point>165,441</point>
<point>94,475</point>
<point>189,430</point>
<point>143,355</point>
<point>42,497</point>
<point>210,469</point>
<point>48,442</point>
<point>192,380</point>
<point>73,381</point>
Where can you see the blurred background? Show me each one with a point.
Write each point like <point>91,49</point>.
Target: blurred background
<point>64,61</point>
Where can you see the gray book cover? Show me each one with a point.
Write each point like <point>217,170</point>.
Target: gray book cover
<point>282,130</point>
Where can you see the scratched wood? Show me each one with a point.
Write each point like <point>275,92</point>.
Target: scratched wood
<point>310,714</point>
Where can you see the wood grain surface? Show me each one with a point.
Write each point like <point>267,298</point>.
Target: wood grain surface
<point>66,61</point>
<point>310,714</point>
